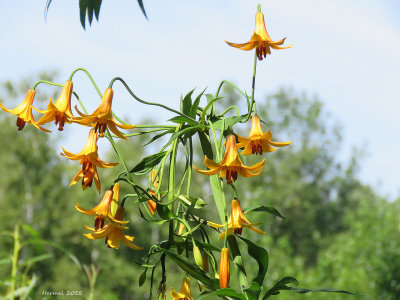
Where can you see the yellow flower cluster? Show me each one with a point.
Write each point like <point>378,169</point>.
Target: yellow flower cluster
<point>60,112</point>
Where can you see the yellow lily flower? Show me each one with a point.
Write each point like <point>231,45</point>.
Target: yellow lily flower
<point>151,203</point>
<point>113,234</point>
<point>258,142</point>
<point>60,111</point>
<point>231,165</point>
<point>24,112</point>
<point>102,211</point>
<point>102,117</point>
<point>260,40</point>
<point>89,159</point>
<point>184,292</point>
<point>236,221</point>
<point>224,269</point>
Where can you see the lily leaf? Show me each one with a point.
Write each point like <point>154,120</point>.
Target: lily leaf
<point>193,202</point>
<point>149,162</point>
<point>183,119</point>
<point>253,291</point>
<point>228,121</point>
<point>164,212</point>
<point>186,103</point>
<point>270,209</point>
<point>195,105</point>
<point>262,258</point>
<point>205,144</point>
<point>222,292</point>
<point>280,285</point>
<point>183,131</point>
<point>193,270</point>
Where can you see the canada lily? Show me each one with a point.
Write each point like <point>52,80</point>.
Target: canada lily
<point>24,112</point>
<point>224,269</point>
<point>231,165</point>
<point>258,141</point>
<point>236,221</point>
<point>102,211</point>
<point>60,111</point>
<point>184,292</point>
<point>102,117</point>
<point>260,40</point>
<point>89,159</point>
<point>113,234</point>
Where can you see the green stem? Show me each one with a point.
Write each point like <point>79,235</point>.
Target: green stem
<point>88,75</point>
<point>238,262</point>
<point>228,109</point>
<point>128,173</point>
<point>146,102</point>
<point>190,166</point>
<point>14,262</point>
<point>47,82</point>
<point>253,86</point>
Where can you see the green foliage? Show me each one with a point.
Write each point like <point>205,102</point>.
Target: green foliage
<point>89,8</point>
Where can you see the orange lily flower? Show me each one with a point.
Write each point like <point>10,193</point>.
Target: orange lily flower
<point>224,269</point>
<point>89,159</point>
<point>113,234</point>
<point>258,142</point>
<point>102,117</point>
<point>260,40</point>
<point>231,164</point>
<point>151,203</point>
<point>24,112</point>
<point>60,111</point>
<point>236,221</point>
<point>184,292</point>
<point>102,211</point>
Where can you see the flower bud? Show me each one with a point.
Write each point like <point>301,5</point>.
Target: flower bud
<point>197,256</point>
<point>224,269</point>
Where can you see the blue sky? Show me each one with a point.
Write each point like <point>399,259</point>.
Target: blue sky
<point>346,52</point>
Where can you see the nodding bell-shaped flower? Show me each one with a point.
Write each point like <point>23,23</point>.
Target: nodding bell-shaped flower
<point>60,111</point>
<point>258,141</point>
<point>113,234</point>
<point>102,211</point>
<point>89,159</point>
<point>102,117</point>
<point>184,292</point>
<point>236,221</point>
<point>231,165</point>
<point>260,40</point>
<point>224,269</point>
<point>24,112</point>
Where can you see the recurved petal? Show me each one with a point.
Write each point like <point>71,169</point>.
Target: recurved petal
<point>255,229</point>
<point>247,150</point>
<point>209,172</point>
<point>279,144</point>
<point>115,130</point>
<point>256,167</point>
<point>124,126</point>
<point>85,211</point>
<point>97,180</point>
<point>126,239</point>
<point>77,177</point>
<point>175,295</point>
<point>210,163</point>
<point>244,46</point>
<point>245,173</point>
<point>215,225</point>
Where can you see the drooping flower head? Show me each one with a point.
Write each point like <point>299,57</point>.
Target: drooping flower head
<point>231,165</point>
<point>24,112</point>
<point>260,40</point>
<point>102,211</point>
<point>89,159</point>
<point>113,234</point>
<point>258,142</point>
<point>151,203</point>
<point>60,111</point>
<point>184,292</point>
<point>102,117</point>
<point>224,269</point>
<point>236,221</point>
